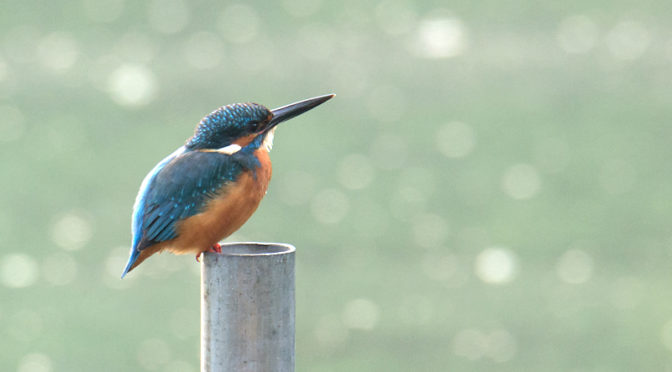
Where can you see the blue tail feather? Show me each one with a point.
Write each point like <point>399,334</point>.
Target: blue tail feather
<point>131,260</point>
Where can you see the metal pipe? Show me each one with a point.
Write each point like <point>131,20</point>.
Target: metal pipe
<point>247,308</point>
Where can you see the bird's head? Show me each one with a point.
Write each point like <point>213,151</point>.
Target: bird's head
<point>242,123</point>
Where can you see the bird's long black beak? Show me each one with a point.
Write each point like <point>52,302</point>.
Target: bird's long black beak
<point>292,110</point>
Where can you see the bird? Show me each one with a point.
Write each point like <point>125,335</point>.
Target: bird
<point>209,187</point>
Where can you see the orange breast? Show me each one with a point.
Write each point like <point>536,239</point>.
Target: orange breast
<point>225,214</point>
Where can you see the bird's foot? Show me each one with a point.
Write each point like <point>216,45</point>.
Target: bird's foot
<point>216,248</point>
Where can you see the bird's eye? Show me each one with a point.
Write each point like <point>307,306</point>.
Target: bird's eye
<point>254,126</point>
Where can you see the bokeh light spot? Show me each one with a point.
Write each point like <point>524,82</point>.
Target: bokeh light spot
<point>577,34</point>
<point>628,40</point>
<point>443,37</point>
<point>355,172</point>
<point>521,181</point>
<point>330,206</point>
<point>361,314</point>
<point>575,267</point>
<point>496,265</point>
<point>71,231</point>
<point>18,270</point>
<point>455,139</point>
<point>35,362</point>
<point>132,85</point>
<point>58,51</point>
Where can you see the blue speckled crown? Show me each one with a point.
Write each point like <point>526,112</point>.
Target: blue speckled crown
<point>224,125</point>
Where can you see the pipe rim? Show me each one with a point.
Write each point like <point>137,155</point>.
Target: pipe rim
<point>250,249</point>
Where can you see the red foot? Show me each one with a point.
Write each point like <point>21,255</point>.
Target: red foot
<point>215,249</point>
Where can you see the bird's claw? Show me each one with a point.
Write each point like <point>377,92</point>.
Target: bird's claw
<point>216,248</point>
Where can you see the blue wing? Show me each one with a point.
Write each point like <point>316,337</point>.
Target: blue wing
<point>177,188</point>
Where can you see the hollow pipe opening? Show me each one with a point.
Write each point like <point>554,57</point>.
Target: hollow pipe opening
<point>255,249</point>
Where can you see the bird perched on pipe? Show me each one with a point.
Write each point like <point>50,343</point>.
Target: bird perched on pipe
<point>208,188</point>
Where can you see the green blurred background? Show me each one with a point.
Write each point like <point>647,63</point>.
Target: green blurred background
<point>488,191</point>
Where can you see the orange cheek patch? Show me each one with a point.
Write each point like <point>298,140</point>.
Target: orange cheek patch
<point>244,141</point>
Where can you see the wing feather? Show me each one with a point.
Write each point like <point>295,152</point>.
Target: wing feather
<point>180,189</point>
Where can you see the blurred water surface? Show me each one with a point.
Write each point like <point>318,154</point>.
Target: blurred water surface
<point>488,191</point>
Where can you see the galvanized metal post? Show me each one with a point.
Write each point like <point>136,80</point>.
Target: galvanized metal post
<point>247,308</point>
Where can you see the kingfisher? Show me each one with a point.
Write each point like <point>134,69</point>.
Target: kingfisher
<point>207,189</point>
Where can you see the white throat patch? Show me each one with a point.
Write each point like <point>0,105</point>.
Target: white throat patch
<point>268,141</point>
